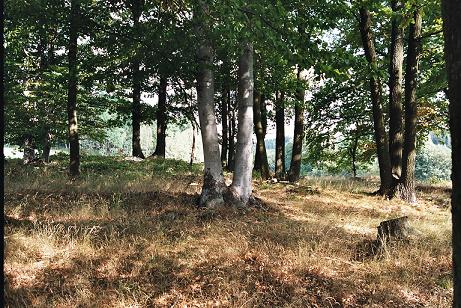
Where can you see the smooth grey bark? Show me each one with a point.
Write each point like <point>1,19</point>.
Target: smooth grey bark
<point>232,129</point>
<point>298,136</point>
<point>224,121</point>
<point>451,12</point>
<point>213,184</point>
<point>280,136</point>
<point>74,153</point>
<point>395,93</point>
<point>407,189</point>
<point>241,188</point>
<point>381,141</point>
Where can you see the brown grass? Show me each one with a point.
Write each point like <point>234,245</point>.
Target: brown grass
<point>144,244</point>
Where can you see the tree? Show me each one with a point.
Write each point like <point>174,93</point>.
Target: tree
<point>451,10</point>
<point>213,182</point>
<point>261,163</point>
<point>280,136</point>
<point>407,185</point>
<point>395,91</point>
<point>241,188</point>
<point>296,156</point>
<point>74,166</point>
<point>381,141</point>
<point>161,118</point>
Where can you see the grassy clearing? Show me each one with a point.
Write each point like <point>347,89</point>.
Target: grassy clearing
<point>128,234</point>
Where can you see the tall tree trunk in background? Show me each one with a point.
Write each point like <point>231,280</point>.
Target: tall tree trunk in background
<point>136,91</point>
<point>264,161</point>
<point>192,151</point>
<point>46,145</point>
<point>451,12</point>
<point>353,153</point>
<point>298,136</point>
<point>395,93</point>
<point>74,166</point>
<point>224,120</point>
<point>261,163</point>
<point>232,129</point>
<point>241,189</point>
<point>280,136</point>
<point>406,188</point>
<point>381,141</point>
<point>213,183</point>
<point>161,119</point>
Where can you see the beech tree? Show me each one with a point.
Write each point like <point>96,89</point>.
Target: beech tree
<point>74,166</point>
<point>451,10</point>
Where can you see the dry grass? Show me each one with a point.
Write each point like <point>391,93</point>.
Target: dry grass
<point>124,238</point>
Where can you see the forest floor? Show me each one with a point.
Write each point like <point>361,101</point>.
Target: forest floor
<point>128,234</point>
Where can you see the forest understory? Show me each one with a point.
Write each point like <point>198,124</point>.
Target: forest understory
<point>129,234</point>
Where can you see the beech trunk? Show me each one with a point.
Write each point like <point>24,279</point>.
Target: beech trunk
<point>161,119</point>
<point>451,12</point>
<point>298,136</point>
<point>241,188</point>
<point>280,137</point>
<point>74,152</point>
<point>213,184</point>
<point>224,121</point>
<point>407,182</point>
<point>395,93</point>
<point>261,163</point>
<point>232,129</point>
<point>381,141</point>
<point>136,90</point>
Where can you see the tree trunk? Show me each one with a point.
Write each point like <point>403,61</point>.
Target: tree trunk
<point>213,184</point>
<point>280,137</point>
<point>74,166</point>
<point>451,11</point>
<point>407,185</point>
<point>353,153</point>
<point>395,93</point>
<point>136,91</point>
<point>192,151</point>
<point>224,118</point>
<point>46,146</point>
<point>261,163</point>
<point>161,119</point>
<point>381,141</point>
<point>296,153</point>
<point>241,188</point>
<point>231,156</point>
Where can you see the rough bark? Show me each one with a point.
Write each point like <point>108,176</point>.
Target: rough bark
<point>161,119</point>
<point>395,93</point>
<point>451,11</point>
<point>397,228</point>
<point>381,141</point>
<point>74,165</point>
<point>241,187</point>
<point>280,137</point>
<point>224,121</point>
<point>298,136</point>
<point>213,184</point>
<point>232,129</point>
<point>261,163</point>
<point>136,90</point>
<point>407,181</point>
